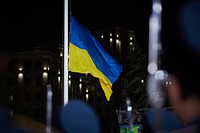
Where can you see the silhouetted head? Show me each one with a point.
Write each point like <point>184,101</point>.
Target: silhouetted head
<point>79,117</point>
<point>181,44</point>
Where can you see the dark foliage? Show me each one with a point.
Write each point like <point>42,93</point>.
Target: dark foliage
<point>137,73</point>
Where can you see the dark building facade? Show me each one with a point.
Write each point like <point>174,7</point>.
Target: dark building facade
<point>24,89</point>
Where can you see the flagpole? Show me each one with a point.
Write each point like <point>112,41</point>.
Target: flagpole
<point>66,43</point>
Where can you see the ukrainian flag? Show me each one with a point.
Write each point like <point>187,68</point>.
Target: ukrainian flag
<point>86,55</point>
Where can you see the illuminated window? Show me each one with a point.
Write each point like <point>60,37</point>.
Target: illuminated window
<point>80,85</point>
<point>118,46</point>
<point>45,68</point>
<point>168,83</point>
<point>69,82</point>
<point>11,98</point>
<point>20,75</point>
<point>45,74</point>
<point>87,97</point>
<point>61,54</point>
<point>118,41</point>
<point>58,79</point>
<point>58,72</point>
<point>20,68</point>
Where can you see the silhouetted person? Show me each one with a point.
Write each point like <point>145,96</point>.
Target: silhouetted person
<point>6,124</point>
<point>160,119</point>
<point>78,117</point>
<point>181,59</point>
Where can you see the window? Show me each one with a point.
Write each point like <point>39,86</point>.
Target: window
<point>38,81</point>
<point>10,66</point>
<point>37,96</point>
<point>27,65</point>
<point>10,82</point>
<point>27,81</point>
<point>38,65</point>
<point>37,112</point>
<point>27,97</point>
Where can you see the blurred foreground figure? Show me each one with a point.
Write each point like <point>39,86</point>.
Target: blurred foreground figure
<point>78,117</point>
<point>181,59</point>
<point>6,125</point>
<point>156,120</point>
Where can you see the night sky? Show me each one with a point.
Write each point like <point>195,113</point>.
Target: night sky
<point>129,14</point>
<point>40,22</point>
<point>31,23</point>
